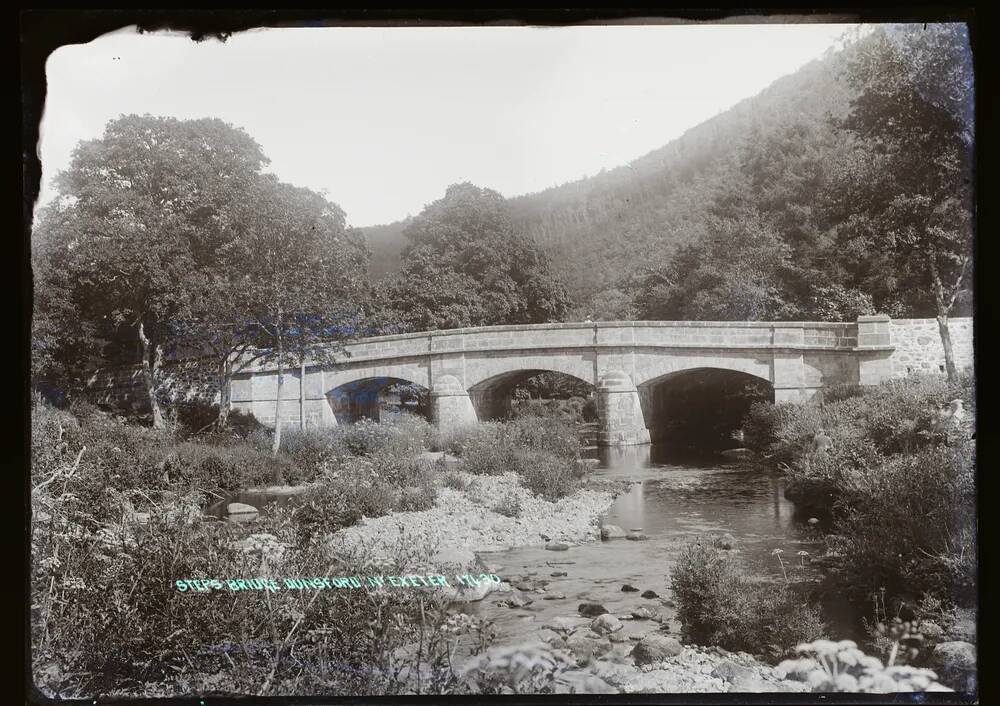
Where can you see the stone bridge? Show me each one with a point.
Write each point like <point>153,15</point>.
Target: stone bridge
<point>471,372</point>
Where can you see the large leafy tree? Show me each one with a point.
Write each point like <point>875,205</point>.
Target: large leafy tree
<point>465,265</point>
<point>143,211</point>
<point>906,195</point>
<point>301,290</point>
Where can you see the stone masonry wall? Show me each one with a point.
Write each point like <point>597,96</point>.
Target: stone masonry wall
<point>918,345</point>
<point>122,387</point>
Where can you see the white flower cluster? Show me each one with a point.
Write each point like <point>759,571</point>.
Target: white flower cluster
<point>521,669</point>
<point>840,666</point>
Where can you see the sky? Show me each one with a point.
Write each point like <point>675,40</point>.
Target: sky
<point>382,119</point>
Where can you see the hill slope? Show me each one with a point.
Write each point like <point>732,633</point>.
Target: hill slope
<point>603,229</point>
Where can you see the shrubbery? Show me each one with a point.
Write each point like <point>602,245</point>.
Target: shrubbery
<point>543,451</point>
<point>718,604</point>
<point>900,491</point>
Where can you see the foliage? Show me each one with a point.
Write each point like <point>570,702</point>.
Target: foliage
<point>465,265</point>
<point>828,666</point>
<point>718,604</point>
<point>522,669</point>
<point>498,448</point>
<point>549,476</point>
<point>900,491</point>
<point>509,505</point>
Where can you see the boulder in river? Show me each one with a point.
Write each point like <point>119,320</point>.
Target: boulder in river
<point>564,623</point>
<point>726,541</point>
<point>557,547</point>
<point>611,532</point>
<point>643,613</point>
<point>650,594</point>
<point>558,573</point>
<point>637,536</point>
<point>241,509</point>
<point>606,624</point>
<point>592,610</point>
<point>655,648</point>
<point>629,588</point>
<point>585,649</point>
<point>954,656</point>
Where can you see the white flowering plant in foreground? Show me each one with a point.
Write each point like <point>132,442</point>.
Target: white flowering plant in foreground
<point>840,666</point>
<point>524,669</point>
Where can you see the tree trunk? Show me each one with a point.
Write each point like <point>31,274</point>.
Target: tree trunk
<point>949,355</point>
<point>225,391</point>
<point>276,444</point>
<point>149,374</point>
<point>302,396</point>
<point>943,307</point>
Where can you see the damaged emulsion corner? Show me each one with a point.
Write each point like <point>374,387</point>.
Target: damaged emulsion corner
<point>648,431</point>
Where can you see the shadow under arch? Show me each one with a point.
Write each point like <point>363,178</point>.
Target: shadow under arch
<point>493,398</point>
<point>378,398</point>
<point>701,408</point>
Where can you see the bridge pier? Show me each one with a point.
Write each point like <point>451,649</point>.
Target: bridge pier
<point>451,406</point>
<point>619,412</point>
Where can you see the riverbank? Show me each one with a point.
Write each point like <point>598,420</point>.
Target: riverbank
<point>464,523</point>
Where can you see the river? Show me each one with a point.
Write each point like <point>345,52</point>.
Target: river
<point>675,500</point>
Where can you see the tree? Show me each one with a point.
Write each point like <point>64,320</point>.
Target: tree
<point>143,212</point>
<point>302,282</point>
<point>465,265</point>
<point>733,273</point>
<point>907,195</point>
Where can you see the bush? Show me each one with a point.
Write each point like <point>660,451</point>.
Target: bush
<point>509,505</point>
<point>549,476</point>
<point>455,481</point>
<point>499,448</point>
<point>405,435</point>
<point>717,604</point>
<point>908,525</point>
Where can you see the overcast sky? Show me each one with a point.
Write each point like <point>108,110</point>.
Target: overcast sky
<point>384,119</point>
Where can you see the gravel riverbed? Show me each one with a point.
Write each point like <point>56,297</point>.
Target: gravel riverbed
<point>463,523</point>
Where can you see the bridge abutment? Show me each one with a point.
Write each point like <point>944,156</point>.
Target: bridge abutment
<point>619,411</point>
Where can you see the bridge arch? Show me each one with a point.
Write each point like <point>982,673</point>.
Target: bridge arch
<point>370,396</point>
<point>492,397</point>
<point>702,405</point>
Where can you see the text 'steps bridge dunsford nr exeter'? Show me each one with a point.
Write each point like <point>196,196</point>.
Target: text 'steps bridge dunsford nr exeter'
<point>470,372</point>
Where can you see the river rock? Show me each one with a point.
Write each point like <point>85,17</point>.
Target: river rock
<point>515,600</point>
<point>650,594</point>
<point>655,648</point>
<point>606,624</point>
<point>629,588</point>
<point>554,596</point>
<point>585,649</point>
<point>643,613</point>
<point>578,681</point>
<point>241,509</point>
<point>730,671</point>
<point>637,536</point>
<point>618,637</point>
<point>740,454</point>
<point>473,594</point>
<point>726,541</point>
<point>592,610</point>
<point>557,547</point>
<point>558,573</point>
<point>611,532</point>
<point>954,656</point>
<point>564,624</point>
